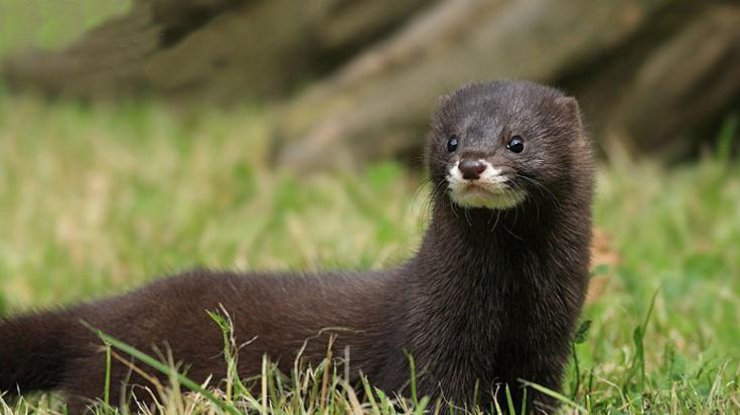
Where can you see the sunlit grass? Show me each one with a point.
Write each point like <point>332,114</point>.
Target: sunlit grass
<point>95,200</point>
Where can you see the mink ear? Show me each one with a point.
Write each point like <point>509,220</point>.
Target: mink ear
<point>571,109</point>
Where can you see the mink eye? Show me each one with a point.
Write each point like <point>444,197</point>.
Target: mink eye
<point>515,144</point>
<point>452,143</point>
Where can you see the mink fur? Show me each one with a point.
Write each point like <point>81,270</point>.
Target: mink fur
<point>491,297</point>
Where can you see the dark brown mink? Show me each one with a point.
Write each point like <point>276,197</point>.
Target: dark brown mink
<point>490,299</point>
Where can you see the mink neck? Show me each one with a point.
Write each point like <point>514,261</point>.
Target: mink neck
<point>484,240</point>
<point>481,271</point>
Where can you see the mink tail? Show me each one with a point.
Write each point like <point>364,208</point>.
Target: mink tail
<point>34,352</point>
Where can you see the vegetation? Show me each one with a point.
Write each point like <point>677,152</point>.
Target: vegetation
<point>96,199</point>
<point>50,24</point>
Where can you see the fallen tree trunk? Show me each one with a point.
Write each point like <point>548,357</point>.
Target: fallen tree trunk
<point>676,89</point>
<point>682,67</point>
<point>648,73</point>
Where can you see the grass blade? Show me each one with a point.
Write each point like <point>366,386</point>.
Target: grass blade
<point>551,393</point>
<point>164,369</point>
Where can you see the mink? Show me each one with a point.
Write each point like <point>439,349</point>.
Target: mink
<point>489,300</point>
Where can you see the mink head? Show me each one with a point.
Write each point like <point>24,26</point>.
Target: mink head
<point>497,145</point>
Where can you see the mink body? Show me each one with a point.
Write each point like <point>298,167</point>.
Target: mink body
<point>491,297</point>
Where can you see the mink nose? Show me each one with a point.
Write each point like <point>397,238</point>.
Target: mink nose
<point>471,169</point>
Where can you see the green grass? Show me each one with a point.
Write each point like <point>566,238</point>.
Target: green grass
<point>96,200</point>
<point>50,24</point>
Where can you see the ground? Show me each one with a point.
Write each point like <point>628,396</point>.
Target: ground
<point>98,199</point>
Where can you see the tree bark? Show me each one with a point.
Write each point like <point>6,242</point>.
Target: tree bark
<point>648,73</point>
<point>685,81</point>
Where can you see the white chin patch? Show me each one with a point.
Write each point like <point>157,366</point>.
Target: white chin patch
<point>489,191</point>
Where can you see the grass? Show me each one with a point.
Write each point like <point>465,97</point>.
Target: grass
<point>96,200</point>
<point>50,24</point>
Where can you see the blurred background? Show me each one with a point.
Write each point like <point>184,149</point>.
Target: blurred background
<point>141,137</point>
<point>363,75</point>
